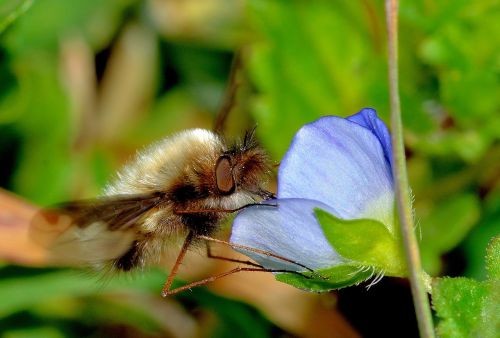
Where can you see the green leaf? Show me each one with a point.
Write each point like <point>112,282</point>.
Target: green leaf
<point>11,10</point>
<point>478,239</point>
<point>450,222</point>
<point>324,280</point>
<point>493,258</point>
<point>42,27</point>
<point>72,295</point>
<point>365,241</point>
<point>466,307</point>
<point>446,226</point>
<point>293,94</point>
<point>40,286</point>
<point>46,332</point>
<point>233,316</point>
<point>458,302</point>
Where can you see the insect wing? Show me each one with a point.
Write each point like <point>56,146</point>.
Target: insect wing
<point>91,231</point>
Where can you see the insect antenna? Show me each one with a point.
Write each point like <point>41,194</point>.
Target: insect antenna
<point>249,140</point>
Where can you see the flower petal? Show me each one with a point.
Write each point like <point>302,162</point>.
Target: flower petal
<point>367,117</point>
<point>342,164</point>
<point>289,230</point>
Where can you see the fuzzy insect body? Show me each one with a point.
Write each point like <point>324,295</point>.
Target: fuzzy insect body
<point>183,184</point>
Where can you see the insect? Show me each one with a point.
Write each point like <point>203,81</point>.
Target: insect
<point>180,187</point>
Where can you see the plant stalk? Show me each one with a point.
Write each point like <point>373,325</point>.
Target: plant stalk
<point>403,198</point>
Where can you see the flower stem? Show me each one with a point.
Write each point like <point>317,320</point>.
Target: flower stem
<point>416,274</point>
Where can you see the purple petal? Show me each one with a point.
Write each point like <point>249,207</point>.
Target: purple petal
<point>367,117</point>
<point>342,164</point>
<point>289,230</point>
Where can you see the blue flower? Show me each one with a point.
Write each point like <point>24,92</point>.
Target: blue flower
<point>340,165</point>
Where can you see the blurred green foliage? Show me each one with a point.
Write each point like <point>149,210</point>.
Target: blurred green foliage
<point>83,84</point>
<point>84,305</point>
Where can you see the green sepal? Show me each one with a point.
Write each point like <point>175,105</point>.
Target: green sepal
<point>364,241</point>
<point>336,277</point>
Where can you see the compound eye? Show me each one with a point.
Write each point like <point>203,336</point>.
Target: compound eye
<point>224,175</point>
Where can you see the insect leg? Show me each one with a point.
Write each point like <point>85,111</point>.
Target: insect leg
<point>210,255</point>
<point>166,293</point>
<point>262,252</point>
<point>178,261</point>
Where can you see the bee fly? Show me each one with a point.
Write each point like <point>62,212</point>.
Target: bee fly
<point>180,187</point>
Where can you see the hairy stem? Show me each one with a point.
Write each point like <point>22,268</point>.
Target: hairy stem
<point>403,198</point>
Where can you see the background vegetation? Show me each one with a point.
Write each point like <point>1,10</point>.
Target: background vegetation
<point>84,84</point>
